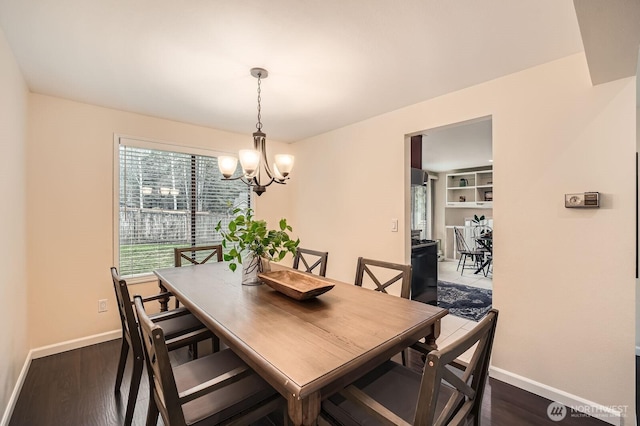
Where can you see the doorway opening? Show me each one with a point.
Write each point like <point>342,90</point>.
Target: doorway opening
<point>454,208</point>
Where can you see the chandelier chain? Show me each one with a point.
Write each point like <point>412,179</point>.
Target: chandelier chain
<point>259,123</point>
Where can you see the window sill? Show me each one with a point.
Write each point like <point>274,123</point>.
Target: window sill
<point>141,279</point>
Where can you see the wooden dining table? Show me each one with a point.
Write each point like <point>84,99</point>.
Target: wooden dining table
<point>307,350</point>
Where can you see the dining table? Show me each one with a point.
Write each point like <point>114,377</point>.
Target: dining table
<point>485,242</point>
<point>306,349</point>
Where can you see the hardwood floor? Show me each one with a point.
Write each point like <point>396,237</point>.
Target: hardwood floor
<point>76,388</point>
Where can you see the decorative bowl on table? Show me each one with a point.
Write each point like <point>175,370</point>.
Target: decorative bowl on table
<point>295,284</point>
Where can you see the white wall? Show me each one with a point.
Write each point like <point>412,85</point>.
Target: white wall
<point>567,318</point>
<point>13,284</point>
<point>638,229</point>
<point>70,212</point>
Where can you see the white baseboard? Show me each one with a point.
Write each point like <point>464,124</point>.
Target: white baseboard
<point>8,411</point>
<point>601,412</point>
<point>51,350</point>
<point>69,345</point>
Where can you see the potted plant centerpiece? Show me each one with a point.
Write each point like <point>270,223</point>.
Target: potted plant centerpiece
<point>246,240</point>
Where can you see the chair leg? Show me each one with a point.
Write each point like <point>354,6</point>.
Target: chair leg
<point>460,260</point>
<point>464,256</point>
<point>133,389</point>
<point>193,350</point>
<point>152,412</point>
<point>488,267</point>
<point>124,352</point>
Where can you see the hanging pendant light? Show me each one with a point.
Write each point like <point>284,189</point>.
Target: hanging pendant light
<point>256,171</point>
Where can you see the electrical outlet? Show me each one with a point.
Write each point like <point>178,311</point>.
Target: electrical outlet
<point>394,225</point>
<point>102,305</point>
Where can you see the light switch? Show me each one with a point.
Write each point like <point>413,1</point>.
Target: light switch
<point>394,225</point>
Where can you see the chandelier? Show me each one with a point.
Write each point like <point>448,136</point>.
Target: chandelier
<point>256,171</point>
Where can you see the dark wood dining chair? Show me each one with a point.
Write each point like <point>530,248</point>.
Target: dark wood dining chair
<point>181,327</point>
<point>216,389</point>
<point>197,255</point>
<point>311,259</point>
<point>375,269</point>
<point>447,392</point>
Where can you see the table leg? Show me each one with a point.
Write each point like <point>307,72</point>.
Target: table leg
<point>304,411</point>
<point>435,333</point>
<point>164,303</point>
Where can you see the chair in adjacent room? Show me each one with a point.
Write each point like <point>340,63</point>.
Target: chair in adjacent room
<point>181,327</point>
<point>465,252</point>
<point>216,389</point>
<point>311,259</point>
<point>447,392</point>
<point>375,269</point>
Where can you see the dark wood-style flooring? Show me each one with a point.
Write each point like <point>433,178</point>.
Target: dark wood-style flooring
<point>76,388</point>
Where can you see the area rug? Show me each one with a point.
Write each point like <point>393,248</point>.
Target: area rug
<point>463,301</point>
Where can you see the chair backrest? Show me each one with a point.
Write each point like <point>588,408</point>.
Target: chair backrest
<point>161,379</point>
<point>465,389</point>
<point>461,244</point>
<point>127,316</point>
<point>197,255</point>
<point>376,268</point>
<point>307,256</point>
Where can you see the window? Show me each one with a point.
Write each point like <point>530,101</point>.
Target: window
<point>169,197</point>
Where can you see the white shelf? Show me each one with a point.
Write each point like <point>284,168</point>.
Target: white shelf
<point>470,205</point>
<point>468,189</point>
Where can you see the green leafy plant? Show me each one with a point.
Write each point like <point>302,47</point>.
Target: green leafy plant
<point>478,220</point>
<point>245,234</point>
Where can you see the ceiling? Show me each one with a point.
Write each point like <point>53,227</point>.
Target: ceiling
<point>331,62</point>
<point>459,146</point>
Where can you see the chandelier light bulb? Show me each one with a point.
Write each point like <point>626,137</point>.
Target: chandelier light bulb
<point>284,164</point>
<point>227,165</point>
<point>250,161</point>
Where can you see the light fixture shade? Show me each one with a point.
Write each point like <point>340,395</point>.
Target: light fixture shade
<point>147,190</point>
<point>227,165</point>
<point>284,163</point>
<point>165,191</point>
<point>276,173</point>
<point>250,161</point>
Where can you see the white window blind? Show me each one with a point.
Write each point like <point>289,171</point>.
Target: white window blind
<point>169,199</point>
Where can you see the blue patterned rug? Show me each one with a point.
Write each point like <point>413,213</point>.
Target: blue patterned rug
<point>463,301</point>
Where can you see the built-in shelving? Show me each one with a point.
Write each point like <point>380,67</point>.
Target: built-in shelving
<point>472,189</point>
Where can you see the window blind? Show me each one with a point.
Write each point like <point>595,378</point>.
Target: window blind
<point>170,199</point>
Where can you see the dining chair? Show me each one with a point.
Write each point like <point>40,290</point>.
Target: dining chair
<point>306,256</point>
<point>180,326</point>
<point>197,255</point>
<point>377,270</point>
<point>447,392</point>
<point>464,251</point>
<point>216,389</point>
